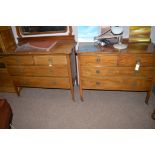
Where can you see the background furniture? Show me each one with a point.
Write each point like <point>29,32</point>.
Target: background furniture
<point>6,83</point>
<point>7,41</point>
<point>34,66</point>
<point>111,69</point>
<point>5,114</point>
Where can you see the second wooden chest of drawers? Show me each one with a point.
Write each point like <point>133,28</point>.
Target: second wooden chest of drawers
<point>110,69</point>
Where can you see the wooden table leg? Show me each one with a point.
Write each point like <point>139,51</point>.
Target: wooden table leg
<point>147,97</point>
<point>72,93</point>
<point>81,94</point>
<point>153,115</point>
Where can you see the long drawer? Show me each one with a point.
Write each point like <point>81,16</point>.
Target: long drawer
<point>98,60</point>
<point>5,79</point>
<point>132,59</point>
<point>19,60</point>
<point>60,71</point>
<point>50,60</point>
<point>116,71</point>
<point>44,82</point>
<point>113,83</point>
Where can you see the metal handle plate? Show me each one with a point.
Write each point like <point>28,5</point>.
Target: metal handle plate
<point>50,62</point>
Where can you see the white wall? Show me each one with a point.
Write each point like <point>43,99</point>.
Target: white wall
<point>153,34</point>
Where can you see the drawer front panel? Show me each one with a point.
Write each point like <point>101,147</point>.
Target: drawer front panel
<point>50,60</point>
<point>134,84</point>
<point>132,59</point>
<point>19,60</point>
<point>10,89</point>
<point>60,71</point>
<point>116,71</point>
<point>98,60</point>
<point>45,82</point>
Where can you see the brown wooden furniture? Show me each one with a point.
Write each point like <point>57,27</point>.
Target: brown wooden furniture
<point>7,44</point>
<point>45,69</point>
<point>37,67</point>
<point>6,83</point>
<point>5,114</point>
<point>7,41</point>
<point>153,114</point>
<point>106,68</point>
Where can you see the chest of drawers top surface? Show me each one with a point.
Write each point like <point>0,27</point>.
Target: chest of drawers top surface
<point>58,48</point>
<point>90,48</point>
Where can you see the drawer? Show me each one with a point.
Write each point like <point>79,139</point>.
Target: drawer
<point>50,60</point>
<point>98,60</point>
<point>132,59</point>
<point>44,82</point>
<point>10,89</point>
<point>5,80</point>
<point>116,71</point>
<point>19,60</point>
<point>131,84</point>
<point>60,71</point>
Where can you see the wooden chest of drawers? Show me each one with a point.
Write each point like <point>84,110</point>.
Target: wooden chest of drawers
<point>106,68</point>
<point>52,69</point>
<point>7,41</point>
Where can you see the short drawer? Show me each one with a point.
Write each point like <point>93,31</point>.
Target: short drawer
<point>98,60</point>
<point>60,71</point>
<point>131,84</point>
<point>117,71</point>
<point>19,60</point>
<point>50,60</point>
<point>44,82</point>
<point>132,59</point>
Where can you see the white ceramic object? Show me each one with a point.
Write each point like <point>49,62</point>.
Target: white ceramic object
<point>117,29</point>
<point>120,46</point>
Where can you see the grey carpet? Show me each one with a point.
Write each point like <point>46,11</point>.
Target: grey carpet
<point>54,108</point>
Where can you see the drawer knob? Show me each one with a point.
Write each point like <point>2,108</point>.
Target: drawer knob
<point>54,83</point>
<point>2,65</point>
<point>98,60</point>
<point>17,60</point>
<point>97,71</point>
<point>50,62</point>
<point>97,83</point>
<point>134,84</point>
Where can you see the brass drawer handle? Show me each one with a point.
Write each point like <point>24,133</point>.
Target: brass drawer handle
<point>134,84</point>
<point>98,60</point>
<point>98,71</point>
<point>50,62</point>
<point>17,60</point>
<point>2,65</point>
<point>97,83</point>
<point>54,83</point>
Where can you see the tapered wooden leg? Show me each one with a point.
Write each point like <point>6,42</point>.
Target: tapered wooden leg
<point>17,90</point>
<point>72,93</point>
<point>153,115</point>
<point>81,94</point>
<point>147,97</point>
